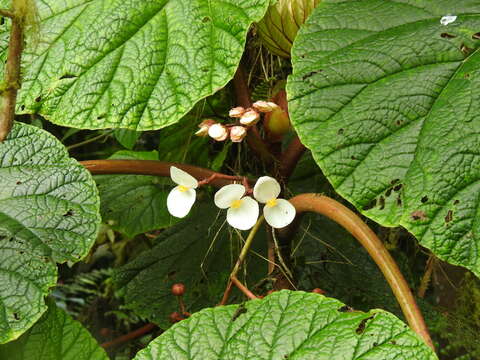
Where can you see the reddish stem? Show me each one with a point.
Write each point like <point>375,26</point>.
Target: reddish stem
<point>353,224</point>
<point>159,168</point>
<point>130,336</point>
<point>243,288</point>
<point>291,157</point>
<point>242,94</point>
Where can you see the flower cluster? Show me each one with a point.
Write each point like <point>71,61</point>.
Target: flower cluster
<point>236,132</point>
<point>242,210</point>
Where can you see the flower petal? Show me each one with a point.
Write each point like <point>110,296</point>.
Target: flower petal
<point>280,215</point>
<point>179,202</point>
<point>181,177</point>
<point>266,188</point>
<point>227,194</point>
<point>245,216</point>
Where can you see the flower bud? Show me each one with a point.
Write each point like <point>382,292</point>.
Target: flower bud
<point>218,132</point>
<point>236,112</point>
<point>204,126</point>
<point>250,117</point>
<point>178,289</point>
<point>237,133</point>
<point>264,106</point>
<point>278,28</point>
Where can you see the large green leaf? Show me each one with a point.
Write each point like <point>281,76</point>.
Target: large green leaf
<point>288,325</point>
<point>387,99</point>
<point>197,252</point>
<point>49,212</point>
<point>56,336</point>
<point>131,63</point>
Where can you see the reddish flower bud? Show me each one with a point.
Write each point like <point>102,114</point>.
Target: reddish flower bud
<point>264,106</point>
<point>175,317</point>
<point>236,112</point>
<point>178,289</point>
<point>318,291</point>
<point>250,117</point>
<point>237,133</point>
<point>218,132</point>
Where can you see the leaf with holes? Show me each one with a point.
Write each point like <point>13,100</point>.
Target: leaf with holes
<point>49,212</point>
<point>55,336</point>
<point>132,64</point>
<point>288,325</point>
<point>388,104</point>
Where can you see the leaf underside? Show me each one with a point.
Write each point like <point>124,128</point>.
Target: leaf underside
<point>288,325</point>
<point>49,212</point>
<point>132,64</point>
<point>386,97</point>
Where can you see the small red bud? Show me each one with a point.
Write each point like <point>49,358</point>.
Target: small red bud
<point>178,289</point>
<point>318,291</point>
<point>175,317</point>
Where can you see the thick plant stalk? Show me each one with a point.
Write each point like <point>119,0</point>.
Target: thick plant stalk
<point>158,168</point>
<point>355,226</point>
<point>11,83</point>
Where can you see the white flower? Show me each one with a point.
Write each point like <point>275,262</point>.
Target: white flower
<point>182,197</point>
<point>278,212</point>
<point>242,211</point>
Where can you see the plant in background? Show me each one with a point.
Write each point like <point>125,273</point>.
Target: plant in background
<point>383,94</point>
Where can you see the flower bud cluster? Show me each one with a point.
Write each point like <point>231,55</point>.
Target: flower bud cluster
<point>236,132</point>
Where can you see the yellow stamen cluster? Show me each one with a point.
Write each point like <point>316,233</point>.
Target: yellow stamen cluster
<point>272,203</point>
<point>236,204</point>
<point>182,188</point>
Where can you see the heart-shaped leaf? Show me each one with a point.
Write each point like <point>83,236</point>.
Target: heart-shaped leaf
<point>386,95</point>
<point>55,336</point>
<point>288,325</point>
<point>49,212</point>
<point>131,63</point>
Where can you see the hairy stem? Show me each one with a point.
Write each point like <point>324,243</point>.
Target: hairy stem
<point>158,168</point>
<point>11,82</point>
<point>353,224</point>
<point>241,258</point>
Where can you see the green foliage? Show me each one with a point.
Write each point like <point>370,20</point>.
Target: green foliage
<point>131,64</point>
<point>134,204</point>
<point>395,129</point>
<point>293,325</point>
<point>55,336</point>
<point>197,253</point>
<point>49,212</point>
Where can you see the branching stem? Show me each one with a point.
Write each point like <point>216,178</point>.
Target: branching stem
<point>241,259</point>
<point>130,336</point>
<point>353,224</point>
